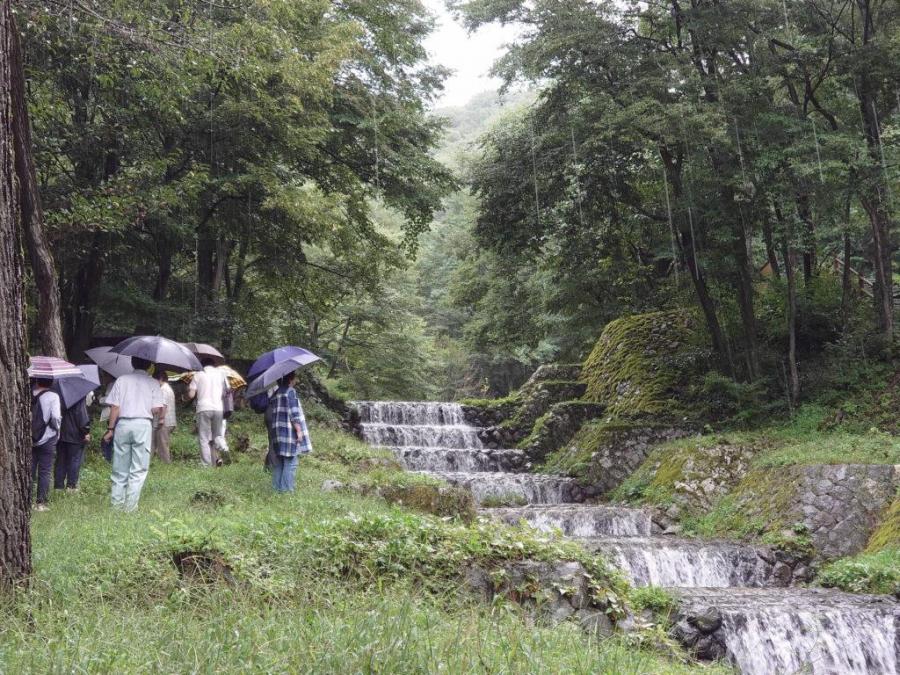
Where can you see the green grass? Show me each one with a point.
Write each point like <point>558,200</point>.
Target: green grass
<point>877,572</point>
<point>309,582</point>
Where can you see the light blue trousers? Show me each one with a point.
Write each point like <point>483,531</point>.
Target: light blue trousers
<point>284,470</point>
<point>130,461</point>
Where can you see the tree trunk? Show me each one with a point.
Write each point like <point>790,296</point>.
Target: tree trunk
<point>15,448</point>
<point>874,190</point>
<point>845,285</point>
<point>82,308</point>
<point>804,210</point>
<point>771,257</point>
<point>793,372</point>
<point>49,319</point>
<point>744,288</point>
<point>688,248</point>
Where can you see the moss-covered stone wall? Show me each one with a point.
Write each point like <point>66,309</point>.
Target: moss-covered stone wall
<point>642,364</point>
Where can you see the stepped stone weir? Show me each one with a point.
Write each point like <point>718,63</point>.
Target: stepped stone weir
<point>794,630</point>
<point>525,488</point>
<point>579,520</point>
<point>729,606</point>
<point>459,459</point>
<point>666,561</point>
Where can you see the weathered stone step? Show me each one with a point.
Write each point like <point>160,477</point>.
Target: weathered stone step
<point>795,630</point>
<point>671,562</point>
<point>502,489</point>
<point>579,520</point>
<point>460,459</point>
<point>409,412</point>
<point>421,435</point>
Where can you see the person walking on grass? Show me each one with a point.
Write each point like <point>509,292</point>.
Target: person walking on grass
<point>46,420</point>
<point>290,436</point>
<point>208,387</point>
<point>135,402</point>
<point>165,425</point>
<point>74,434</point>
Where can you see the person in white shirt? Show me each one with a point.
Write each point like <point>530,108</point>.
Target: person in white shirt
<point>135,401</point>
<point>164,425</point>
<point>46,419</point>
<point>208,387</point>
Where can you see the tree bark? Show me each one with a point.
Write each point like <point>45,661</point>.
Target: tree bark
<point>15,448</point>
<point>49,319</point>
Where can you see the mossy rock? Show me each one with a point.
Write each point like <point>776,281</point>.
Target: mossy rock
<point>692,473</point>
<point>438,500</point>
<point>605,453</point>
<point>644,364</point>
<point>887,534</point>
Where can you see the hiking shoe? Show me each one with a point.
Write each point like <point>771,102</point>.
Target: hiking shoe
<point>72,489</point>
<point>41,507</point>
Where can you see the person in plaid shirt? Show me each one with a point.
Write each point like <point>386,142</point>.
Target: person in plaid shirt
<point>290,436</point>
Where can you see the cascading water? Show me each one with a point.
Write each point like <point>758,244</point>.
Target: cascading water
<point>763,630</point>
<point>665,561</point>
<point>580,521</point>
<point>461,459</point>
<point>434,438</point>
<point>803,630</point>
<point>515,488</point>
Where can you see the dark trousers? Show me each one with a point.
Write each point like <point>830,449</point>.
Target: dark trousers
<point>68,465</point>
<point>41,468</point>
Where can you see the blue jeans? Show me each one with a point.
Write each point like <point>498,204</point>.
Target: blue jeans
<point>284,470</point>
<point>131,459</point>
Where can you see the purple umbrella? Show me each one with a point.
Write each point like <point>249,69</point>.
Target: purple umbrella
<point>278,355</point>
<point>72,389</point>
<point>274,373</point>
<point>170,355</point>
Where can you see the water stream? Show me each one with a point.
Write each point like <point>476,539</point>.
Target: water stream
<point>765,629</point>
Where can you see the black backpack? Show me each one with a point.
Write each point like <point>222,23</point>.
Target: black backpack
<point>38,425</point>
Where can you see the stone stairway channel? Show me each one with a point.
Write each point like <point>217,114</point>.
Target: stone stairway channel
<point>735,600</point>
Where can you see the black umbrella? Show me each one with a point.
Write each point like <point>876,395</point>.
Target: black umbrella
<point>72,389</point>
<point>168,354</point>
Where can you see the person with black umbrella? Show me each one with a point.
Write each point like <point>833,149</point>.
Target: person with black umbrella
<point>74,433</point>
<point>135,401</point>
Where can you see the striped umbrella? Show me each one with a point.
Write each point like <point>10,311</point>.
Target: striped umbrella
<point>51,368</point>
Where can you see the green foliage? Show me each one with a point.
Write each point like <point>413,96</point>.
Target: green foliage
<point>642,363</point>
<point>503,500</point>
<point>887,534</point>
<point>654,598</point>
<point>215,568</point>
<point>574,458</point>
<point>865,573</point>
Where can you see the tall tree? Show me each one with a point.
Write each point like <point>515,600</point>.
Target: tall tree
<point>15,480</point>
<point>49,319</point>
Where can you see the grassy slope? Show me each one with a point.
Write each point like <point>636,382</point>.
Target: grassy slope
<point>322,582</point>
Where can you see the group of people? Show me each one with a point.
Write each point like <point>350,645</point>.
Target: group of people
<point>140,414</point>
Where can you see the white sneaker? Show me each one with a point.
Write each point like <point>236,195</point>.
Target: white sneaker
<point>41,507</point>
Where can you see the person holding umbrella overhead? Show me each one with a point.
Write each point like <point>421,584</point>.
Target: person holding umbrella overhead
<point>75,430</point>
<point>290,435</point>
<point>46,419</point>
<point>135,401</point>
<point>209,387</point>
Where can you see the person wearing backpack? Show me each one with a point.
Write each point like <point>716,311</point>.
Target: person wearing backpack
<point>46,419</point>
<point>74,434</point>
